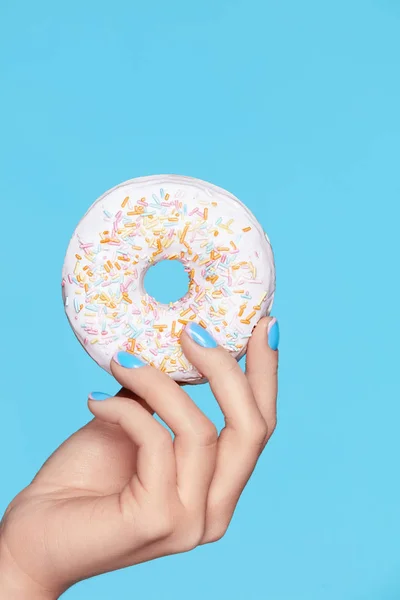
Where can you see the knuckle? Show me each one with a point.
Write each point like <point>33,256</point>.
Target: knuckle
<point>162,526</point>
<point>191,539</point>
<point>231,367</point>
<point>190,531</point>
<point>163,439</point>
<point>255,432</point>
<point>219,514</point>
<point>216,533</point>
<point>208,435</point>
<point>259,431</point>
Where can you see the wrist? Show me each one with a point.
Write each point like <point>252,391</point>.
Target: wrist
<point>14,589</point>
<point>17,585</point>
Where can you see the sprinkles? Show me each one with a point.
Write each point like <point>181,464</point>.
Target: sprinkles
<point>231,283</point>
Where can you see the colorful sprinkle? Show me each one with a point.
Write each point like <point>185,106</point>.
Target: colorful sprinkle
<point>165,225</point>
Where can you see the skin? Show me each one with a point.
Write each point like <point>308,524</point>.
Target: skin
<point>121,490</point>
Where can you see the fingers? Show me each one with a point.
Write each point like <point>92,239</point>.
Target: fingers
<point>125,393</point>
<point>262,369</point>
<point>241,440</point>
<point>117,432</point>
<point>214,473</point>
<point>155,456</point>
<point>195,436</point>
<point>227,381</point>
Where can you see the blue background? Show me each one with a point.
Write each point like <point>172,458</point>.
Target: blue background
<point>294,107</point>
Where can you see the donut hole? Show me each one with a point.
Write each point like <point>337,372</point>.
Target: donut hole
<point>167,281</point>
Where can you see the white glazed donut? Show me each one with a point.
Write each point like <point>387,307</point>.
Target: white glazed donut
<point>226,254</point>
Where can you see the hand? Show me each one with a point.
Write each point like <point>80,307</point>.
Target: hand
<point>121,491</point>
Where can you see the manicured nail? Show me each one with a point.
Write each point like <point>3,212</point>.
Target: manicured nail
<point>273,334</point>
<point>127,360</point>
<point>200,335</point>
<point>99,396</point>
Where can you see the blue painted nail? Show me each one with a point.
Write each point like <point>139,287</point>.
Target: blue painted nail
<point>99,396</point>
<point>273,334</point>
<point>127,360</point>
<point>200,335</point>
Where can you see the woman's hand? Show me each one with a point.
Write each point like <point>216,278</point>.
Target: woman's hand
<point>121,491</point>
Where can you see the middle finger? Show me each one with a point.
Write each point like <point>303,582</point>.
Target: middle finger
<point>195,435</point>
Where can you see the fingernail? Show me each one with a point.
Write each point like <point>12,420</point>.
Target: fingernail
<point>98,396</point>
<point>200,335</point>
<point>127,360</point>
<point>273,334</point>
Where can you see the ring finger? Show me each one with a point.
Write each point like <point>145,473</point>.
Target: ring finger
<point>241,440</point>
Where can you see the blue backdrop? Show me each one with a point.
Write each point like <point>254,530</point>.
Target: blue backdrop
<point>294,107</point>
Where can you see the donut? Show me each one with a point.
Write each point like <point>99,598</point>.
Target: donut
<point>224,250</point>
